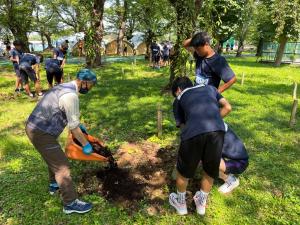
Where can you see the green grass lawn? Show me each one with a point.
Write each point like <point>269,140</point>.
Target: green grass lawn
<point>122,108</point>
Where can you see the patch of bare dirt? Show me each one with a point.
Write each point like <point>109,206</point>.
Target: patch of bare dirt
<point>143,173</point>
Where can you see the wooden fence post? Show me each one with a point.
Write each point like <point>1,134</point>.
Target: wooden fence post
<point>243,78</point>
<point>295,91</point>
<point>159,120</point>
<point>293,113</point>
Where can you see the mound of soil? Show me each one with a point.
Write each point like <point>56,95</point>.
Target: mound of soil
<point>143,176</point>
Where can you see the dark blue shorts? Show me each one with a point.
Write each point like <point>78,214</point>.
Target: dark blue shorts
<point>236,166</point>
<point>26,72</point>
<point>17,70</point>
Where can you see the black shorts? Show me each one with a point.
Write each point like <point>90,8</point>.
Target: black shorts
<point>165,58</point>
<point>54,72</point>
<point>27,72</point>
<point>235,166</point>
<point>206,147</point>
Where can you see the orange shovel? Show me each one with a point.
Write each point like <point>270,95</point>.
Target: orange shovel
<point>74,151</point>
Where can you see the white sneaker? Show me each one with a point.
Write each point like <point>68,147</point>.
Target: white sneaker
<point>231,183</point>
<point>180,207</point>
<point>200,202</point>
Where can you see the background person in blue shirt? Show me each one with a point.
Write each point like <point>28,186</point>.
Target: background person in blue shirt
<point>211,67</point>
<point>202,137</point>
<point>15,56</point>
<point>60,55</point>
<point>53,71</point>
<point>29,68</point>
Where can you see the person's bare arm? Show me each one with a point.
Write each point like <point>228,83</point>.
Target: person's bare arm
<point>17,59</point>
<point>227,85</point>
<point>36,68</point>
<point>77,133</point>
<point>63,63</point>
<point>225,107</point>
<point>186,44</point>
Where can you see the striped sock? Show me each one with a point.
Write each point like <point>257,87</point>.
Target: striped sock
<point>181,197</point>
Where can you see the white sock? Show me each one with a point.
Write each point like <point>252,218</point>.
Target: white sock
<point>205,195</point>
<point>181,196</point>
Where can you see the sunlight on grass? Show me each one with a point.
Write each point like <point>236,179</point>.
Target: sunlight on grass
<point>122,108</point>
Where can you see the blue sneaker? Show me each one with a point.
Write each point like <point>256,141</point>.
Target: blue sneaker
<point>53,188</point>
<point>78,207</point>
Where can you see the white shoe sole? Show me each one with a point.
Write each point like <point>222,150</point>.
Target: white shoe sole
<point>181,213</point>
<point>75,211</point>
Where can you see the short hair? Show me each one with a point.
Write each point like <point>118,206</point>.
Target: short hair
<point>200,39</point>
<point>17,43</point>
<point>182,82</point>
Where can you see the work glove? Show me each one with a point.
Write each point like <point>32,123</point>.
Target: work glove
<point>87,149</point>
<point>83,128</point>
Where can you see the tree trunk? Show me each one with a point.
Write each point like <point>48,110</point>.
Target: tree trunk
<point>240,48</point>
<point>22,36</point>
<point>99,29</point>
<point>185,14</point>
<point>122,27</point>
<point>148,41</point>
<point>49,42</point>
<point>260,47</point>
<point>219,47</point>
<point>43,41</point>
<point>280,51</point>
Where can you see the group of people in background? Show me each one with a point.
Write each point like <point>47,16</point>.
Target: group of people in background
<point>27,67</point>
<point>160,54</point>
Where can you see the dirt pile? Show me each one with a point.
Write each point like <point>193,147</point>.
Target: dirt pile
<point>143,173</point>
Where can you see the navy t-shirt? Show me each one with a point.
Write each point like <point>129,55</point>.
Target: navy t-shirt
<point>233,147</point>
<point>210,71</point>
<point>29,59</point>
<point>14,53</point>
<point>60,55</point>
<point>198,109</point>
<point>155,49</point>
<point>52,63</point>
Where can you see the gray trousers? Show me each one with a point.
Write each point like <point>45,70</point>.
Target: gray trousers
<point>58,164</point>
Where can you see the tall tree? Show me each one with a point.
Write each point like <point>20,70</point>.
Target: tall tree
<point>16,15</point>
<point>94,34</point>
<point>245,21</point>
<point>186,14</point>
<point>122,14</point>
<point>286,17</point>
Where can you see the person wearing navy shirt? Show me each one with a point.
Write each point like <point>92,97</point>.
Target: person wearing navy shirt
<point>234,161</point>
<point>29,68</point>
<point>53,71</point>
<point>15,56</point>
<point>60,55</point>
<point>211,67</point>
<point>155,52</point>
<point>199,110</point>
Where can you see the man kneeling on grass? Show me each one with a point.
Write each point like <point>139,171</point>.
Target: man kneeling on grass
<point>201,139</point>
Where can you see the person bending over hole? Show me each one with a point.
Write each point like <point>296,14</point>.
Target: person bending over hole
<point>202,139</point>
<point>30,68</point>
<point>53,71</point>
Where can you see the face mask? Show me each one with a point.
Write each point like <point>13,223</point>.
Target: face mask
<point>83,90</point>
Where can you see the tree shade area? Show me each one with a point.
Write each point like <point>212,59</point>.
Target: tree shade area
<point>149,112</point>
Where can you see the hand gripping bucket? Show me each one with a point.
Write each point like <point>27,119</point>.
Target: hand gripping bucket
<point>74,151</point>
